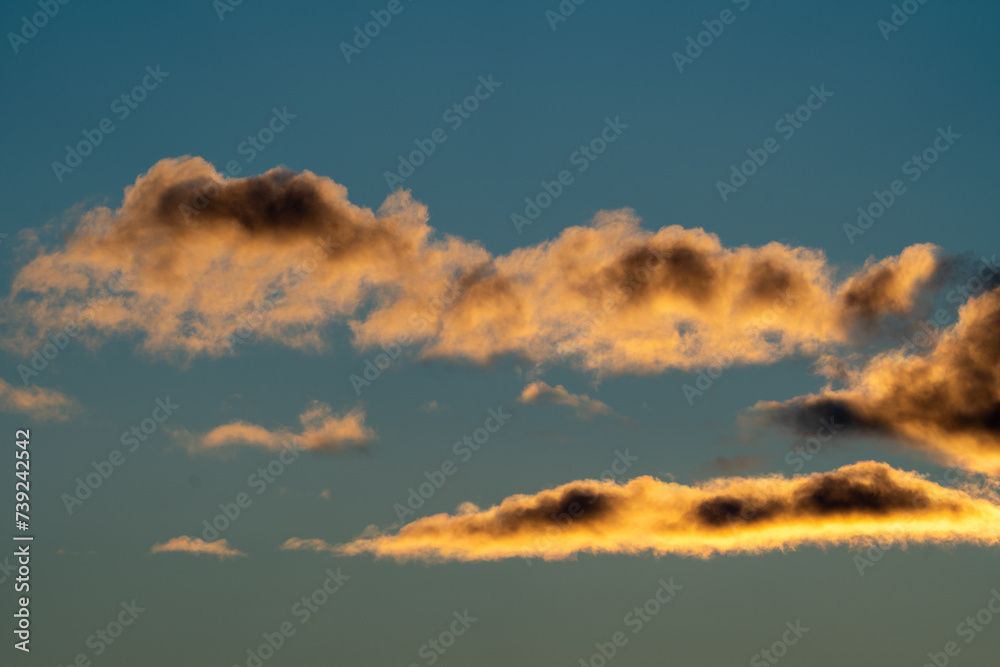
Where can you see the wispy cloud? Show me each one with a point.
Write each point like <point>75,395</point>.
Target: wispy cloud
<point>196,546</point>
<point>322,429</point>
<point>585,406</point>
<point>37,402</point>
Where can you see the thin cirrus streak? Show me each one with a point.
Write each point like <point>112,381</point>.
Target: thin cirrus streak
<point>38,402</point>
<point>945,402</point>
<point>722,516</point>
<point>281,255</point>
<point>197,546</point>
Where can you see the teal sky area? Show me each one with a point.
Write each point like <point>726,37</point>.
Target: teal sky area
<point>558,82</point>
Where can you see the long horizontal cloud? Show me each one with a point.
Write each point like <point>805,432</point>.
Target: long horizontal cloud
<point>945,402</point>
<point>723,516</point>
<point>197,546</point>
<point>321,429</point>
<point>215,262</point>
<point>38,402</point>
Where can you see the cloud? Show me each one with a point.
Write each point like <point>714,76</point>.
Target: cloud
<point>196,546</point>
<point>892,286</point>
<point>321,430</point>
<point>850,505</point>
<point>37,402</point>
<point>586,407</point>
<point>215,262</point>
<point>944,402</point>
<point>295,544</point>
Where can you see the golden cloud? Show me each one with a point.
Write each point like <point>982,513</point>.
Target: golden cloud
<point>585,406</point>
<point>944,402</point>
<point>196,546</point>
<point>37,402</point>
<point>850,505</point>
<point>214,262</point>
<point>321,430</point>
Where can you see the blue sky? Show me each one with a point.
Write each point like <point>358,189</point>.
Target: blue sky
<point>224,79</point>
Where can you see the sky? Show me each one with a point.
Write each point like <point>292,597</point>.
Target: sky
<point>520,333</point>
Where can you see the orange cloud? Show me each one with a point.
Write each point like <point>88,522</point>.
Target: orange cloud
<point>850,505</point>
<point>196,546</point>
<point>215,262</point>
<point>37,402</point>
<point>321,430</point>
<point>585,406</point>
<point>945,402</point>
<point>891,286</point>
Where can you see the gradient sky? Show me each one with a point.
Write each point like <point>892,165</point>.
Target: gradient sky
<point>352,120</point>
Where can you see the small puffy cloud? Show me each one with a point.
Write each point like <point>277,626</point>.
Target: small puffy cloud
<point>585,406</point>
<point>322,429</point>
<point>196,546</point>
<point>37,402</point>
